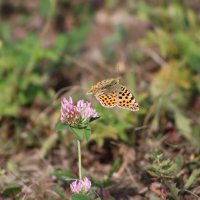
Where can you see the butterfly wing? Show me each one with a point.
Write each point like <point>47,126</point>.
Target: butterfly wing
<point>126,99</point>
<point>107,99</point>
<point>110,93</point>
<point>104,86</point>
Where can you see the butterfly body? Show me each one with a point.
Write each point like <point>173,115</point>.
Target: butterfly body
<point>111,93</point>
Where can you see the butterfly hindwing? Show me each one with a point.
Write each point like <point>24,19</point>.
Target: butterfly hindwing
<point>107,99</point>
<point>126,99</point>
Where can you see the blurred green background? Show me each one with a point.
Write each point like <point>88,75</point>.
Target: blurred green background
<point>50,49</point>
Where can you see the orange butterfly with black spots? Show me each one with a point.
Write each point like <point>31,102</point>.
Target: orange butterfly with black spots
<point>111,93</point>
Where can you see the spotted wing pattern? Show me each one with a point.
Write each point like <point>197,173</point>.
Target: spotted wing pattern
<point>110,93</point>
<point>126,99</point>
<point>107,99</point>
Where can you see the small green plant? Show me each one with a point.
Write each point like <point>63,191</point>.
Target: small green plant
<point>165,171</point>
<point>160,167</point>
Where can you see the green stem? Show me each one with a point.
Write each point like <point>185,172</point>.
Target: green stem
<point>79,158</point>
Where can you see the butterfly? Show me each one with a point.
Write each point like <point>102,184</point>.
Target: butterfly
<point>111,93</point>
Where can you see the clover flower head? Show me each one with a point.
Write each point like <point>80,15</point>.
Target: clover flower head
<point>86,110</point>
<point>82,185</point>
<point>72,114</point>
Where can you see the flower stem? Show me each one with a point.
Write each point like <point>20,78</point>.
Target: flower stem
<point>79,158</point>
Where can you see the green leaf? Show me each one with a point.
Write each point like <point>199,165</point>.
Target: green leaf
<point>179,161</point>
<point>11,189</point>
<point>80,197</point>
<point>114,167</point>
<point>60,192</point>
<point>78,133</point>
<point>195,174</point>
<point>173,190</point>
<point>153,173</point>
<point>60,126</point>
<point>87,132</point>
<point>183,124</point>
<point>64,175</point>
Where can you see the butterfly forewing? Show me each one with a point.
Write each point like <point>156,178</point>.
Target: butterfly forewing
<point>103,86</point>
